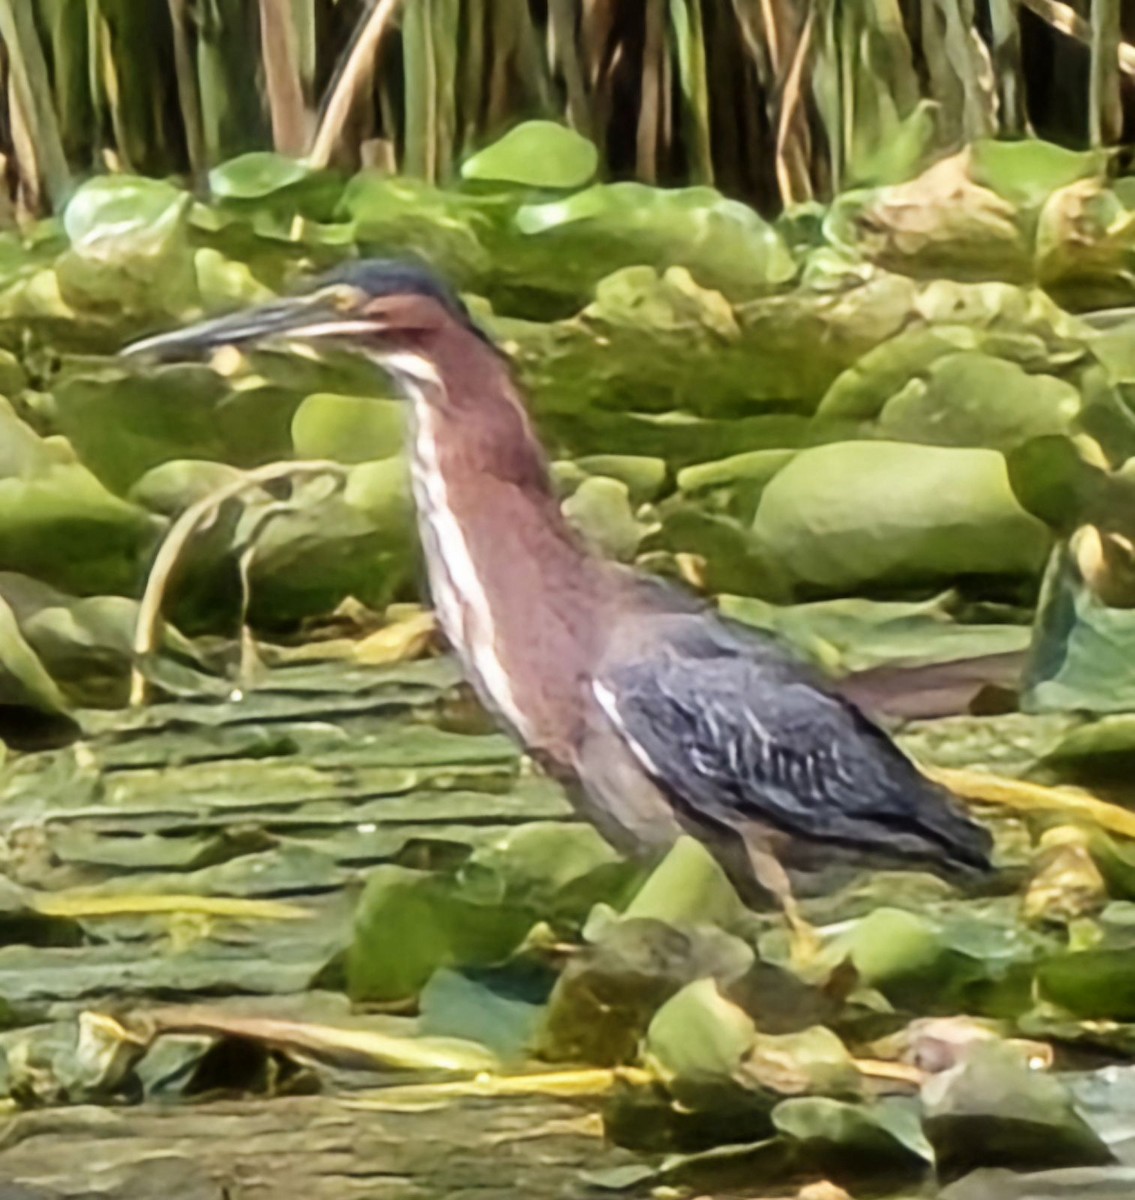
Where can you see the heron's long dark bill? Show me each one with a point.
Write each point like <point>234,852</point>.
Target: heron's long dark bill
<point>298,319</point>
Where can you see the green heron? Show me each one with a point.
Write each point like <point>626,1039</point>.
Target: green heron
<point>661,716</point>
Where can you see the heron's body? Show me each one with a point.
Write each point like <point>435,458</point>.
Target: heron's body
<point>661,716</point>
<point>665,717</point>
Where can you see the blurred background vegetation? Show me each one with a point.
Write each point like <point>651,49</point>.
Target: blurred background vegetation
<point>773,101</point>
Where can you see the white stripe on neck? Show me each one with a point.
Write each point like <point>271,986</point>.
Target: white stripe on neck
<point>459,597</point>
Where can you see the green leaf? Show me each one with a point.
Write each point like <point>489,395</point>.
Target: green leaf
<point>886,1131</point>
<point>898,156</point>
<point>23,678</point>
<point>734,484</point>
<point>555,870</point>
<point>1080,647</point>
<point>607,994</point>
<point>688,887</point>
<point>734,559</point>
<point>994,1111</point>
<point>410,923</point>
<point>665,365</point>
<point>600,510</point>
<point>501,1010</point>
<point>809,1060</point>
<point>86,644</point>
<point>857,634</point>
<point>640,296</point>
<point>853,514</point>
<point>255,175</point>
<point>976,400</point>
<point>1096,985</point>
<point>722,244</point>
<point>348,429</point>
<point>541,154</point>
<point>1052,480</point>
<point>643,476</point>
<point>330,538</point>
<point>330,541</point>
<point>57,522</point>
<point>1027,172</point>
<point>1099,752</point>
<point>117,207</point>
<point>173,486</point>
<point>861,391</point>
<point>225,283</point>
<point>445,228</point>
<point>124,423</point>
<point>891,943</point>
<point>130,256</point>
<point>699,1036</point>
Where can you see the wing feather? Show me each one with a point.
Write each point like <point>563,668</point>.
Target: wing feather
<point>732,729</point>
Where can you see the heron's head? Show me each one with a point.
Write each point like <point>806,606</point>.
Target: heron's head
<point>399,314</point>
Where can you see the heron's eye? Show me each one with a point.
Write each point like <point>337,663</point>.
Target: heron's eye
<point>343,298</point>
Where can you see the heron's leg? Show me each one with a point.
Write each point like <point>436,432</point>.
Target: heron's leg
<point>804,941</point>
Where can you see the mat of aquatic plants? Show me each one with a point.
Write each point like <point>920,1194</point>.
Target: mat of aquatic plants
<point>282,915</point>
<point>330,932</point>
<point>921,394</point>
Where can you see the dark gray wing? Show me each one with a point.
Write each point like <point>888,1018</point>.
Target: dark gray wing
<point>732,728</point>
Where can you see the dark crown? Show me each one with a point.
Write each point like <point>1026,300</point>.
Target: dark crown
<point>380,277</point>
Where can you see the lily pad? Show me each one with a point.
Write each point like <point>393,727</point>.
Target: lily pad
<point>500,1009</point>
<point>410,923</point>
<point>1079,647</point>
<point>977,400</point>
<point>23,680</point>
<point>348,429</point>
<point>885,1136</point>
<point>992,1110</point>
<point>687,887</point>
<point>117,206</point>
<point>539,154</point>
<point>600,510</point>
<point>57,522</point>
<point>699,1036</point>
<point>857,634</point>
<point>607,995</point>
<point>1027,172</point>
<point>857,514</point>
<point>723,244</point>
<point>255,175</point>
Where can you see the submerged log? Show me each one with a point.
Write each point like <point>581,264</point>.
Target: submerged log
<point>306,1148</point>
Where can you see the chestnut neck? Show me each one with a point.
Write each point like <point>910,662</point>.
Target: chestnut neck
<point>518,596</point>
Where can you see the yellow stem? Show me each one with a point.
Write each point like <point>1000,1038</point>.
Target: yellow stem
<point>984,788</point>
